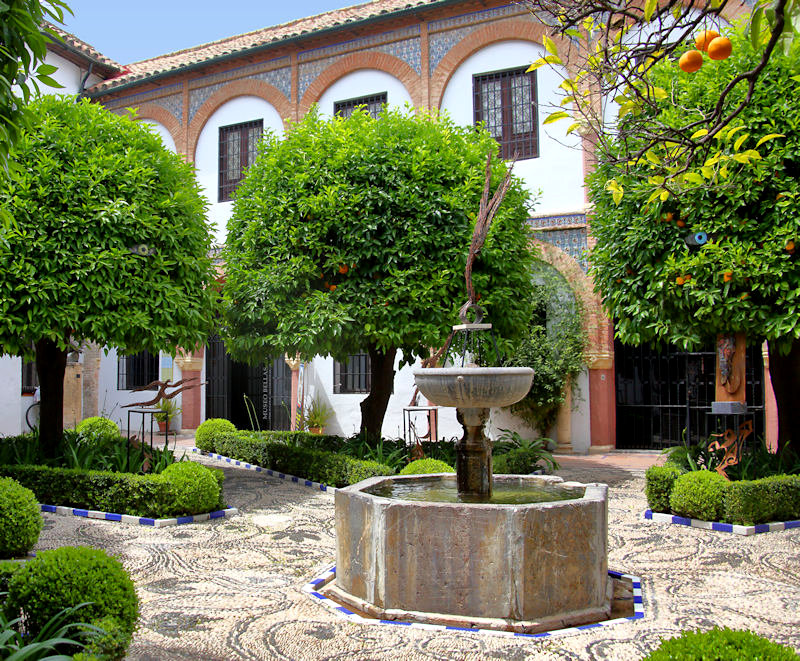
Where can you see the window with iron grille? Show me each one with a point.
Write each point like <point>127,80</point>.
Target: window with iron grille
<point>374,104</point>
<point>353,375</point>
<point>30,379</point>
<point>506,102</point>
<point>137,370</point>
<point>238,146</point>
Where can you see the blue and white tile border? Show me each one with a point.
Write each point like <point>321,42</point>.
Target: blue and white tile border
<point>314,586</point>
<point>267,471</point>
<point>137,520</point>
<point>661,517</point>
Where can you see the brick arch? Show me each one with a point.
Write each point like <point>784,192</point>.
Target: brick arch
<point>513,29</point>
<point>595,321</point>
<point>390,64</point>
<point>165,118</point>
<point>237,88</point>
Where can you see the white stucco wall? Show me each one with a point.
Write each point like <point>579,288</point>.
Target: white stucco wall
<point>68,74</point>
<point>365,82</point>
<point>558,171</point>
<point>238,110</point>
<point>11,400</point>
<point>163,133</point>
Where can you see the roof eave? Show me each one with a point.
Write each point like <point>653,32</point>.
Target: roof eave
<point>261,47</point>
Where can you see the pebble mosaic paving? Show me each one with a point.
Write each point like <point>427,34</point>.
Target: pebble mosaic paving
<point>233,588</point>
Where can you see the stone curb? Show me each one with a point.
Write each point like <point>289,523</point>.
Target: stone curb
<point>661,517</point>
<point>259,469</point>
<point>312,589</point>
<point>137,520</point>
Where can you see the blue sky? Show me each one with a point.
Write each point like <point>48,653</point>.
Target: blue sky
<point>132,31</point>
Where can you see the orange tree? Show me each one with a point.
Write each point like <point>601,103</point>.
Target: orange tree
<point>351,235</point>
<point>108,243</point>
<point>747,276</point>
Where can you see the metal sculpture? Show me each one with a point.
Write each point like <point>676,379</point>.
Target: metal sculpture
<point>728,376</point>
<point>162,390</point>
<point>733,444</point>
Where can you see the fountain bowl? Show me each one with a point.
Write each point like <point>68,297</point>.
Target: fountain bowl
<point>474,387</point>
<point>523,567</point>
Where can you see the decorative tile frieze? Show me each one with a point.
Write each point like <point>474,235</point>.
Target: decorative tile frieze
<point>307,72</point>
<point>408,50</point>
<point>572,241</point>
<point>440,43</point>
<point>363,43</point>
<point>173,102</point>
<point>568,220</point>
<point>505,11</point>
<point>279,64</point>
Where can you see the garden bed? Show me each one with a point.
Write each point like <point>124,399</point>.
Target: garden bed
<point>662,517</point>
<point>139,520</point>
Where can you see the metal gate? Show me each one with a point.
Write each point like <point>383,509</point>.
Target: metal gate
<point>250,396</point>
<point>664,397</point>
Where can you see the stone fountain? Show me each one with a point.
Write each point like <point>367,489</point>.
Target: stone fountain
<point>448,550</point>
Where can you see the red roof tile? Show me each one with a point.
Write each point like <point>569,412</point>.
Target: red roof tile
<point>82,48</point>
<point>232,45</point>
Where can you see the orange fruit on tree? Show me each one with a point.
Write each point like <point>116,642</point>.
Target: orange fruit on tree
<point>680,223</point>
<point>727,276</point>
<point>790,246</point>
<point>343,268</point>
<point>691,61</point>
<point>679,280</point>
<point>687,277</point>
<point>720,48</point>
<point>333,288</point>
<point>704,38</point>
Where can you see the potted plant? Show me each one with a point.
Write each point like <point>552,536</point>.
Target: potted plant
<point>167,410</point>
<point>316,416</point>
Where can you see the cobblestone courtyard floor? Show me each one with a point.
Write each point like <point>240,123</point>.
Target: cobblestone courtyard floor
<point>231,589</point>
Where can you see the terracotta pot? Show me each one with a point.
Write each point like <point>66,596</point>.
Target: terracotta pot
<point>162,425</point>
<point>315,430</point>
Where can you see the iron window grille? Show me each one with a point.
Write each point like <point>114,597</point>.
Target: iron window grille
<point>30,378</point>
<point>137,370</point>
<point>238,146</point>
<point>353,375</point>
<point>506,102</point>
<point>373,104</point>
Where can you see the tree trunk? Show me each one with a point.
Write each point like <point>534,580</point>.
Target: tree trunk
<point>51,363</point>
<point>373,408</point>
<point>784,371</point>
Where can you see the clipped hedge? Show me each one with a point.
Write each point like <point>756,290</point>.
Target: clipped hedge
<point>699,495</point>
<point>153,496</point>
<point>426,466</point>
<point>760,501</point>
<point>20,519</point>
<point>659,481</point>
<point>318,465</point>
<point>69,576</point>
<point>205,438</point>
<point>720,644</point>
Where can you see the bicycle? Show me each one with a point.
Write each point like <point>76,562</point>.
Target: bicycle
<point>32,416</point>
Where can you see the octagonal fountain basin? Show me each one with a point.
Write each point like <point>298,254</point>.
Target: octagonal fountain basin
<point>474,387</point>
<point>522,567</point>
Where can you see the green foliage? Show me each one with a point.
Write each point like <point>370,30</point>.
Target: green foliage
<point>720,644</point>
<point>20,519</point>
<point>7,570</point>
<point>195,488</point>
<point>699,495</point>
<point>553,347</point>
<point>352,233</point>
<point>206,434</point>
<point>312,464</point>
<point>91,186</point>
<point>759,461</point>
<point>522,455</point>
<point>122,493</point>
<point>167,409</point>
<point>424,466</point>
<point>763,501</point>
<point>315,415</point>
<point>750,213</point>
<point>22,65</point>
<point>70,576</point>
<point>659,481</point>
<point>390,452</point>
<point>97,426</point>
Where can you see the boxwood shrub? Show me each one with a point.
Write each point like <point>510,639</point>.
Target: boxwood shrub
<point>699,495</point>
<point>69,576</point>
<point>312,464</point>
<point>659,481</point>
<point>205,438</point>
<point>124,493</point>
<point>776,498</point>
<point>427,465</point>
<point>195,488</point>
<point>20,519</point>
<point>720,644</point>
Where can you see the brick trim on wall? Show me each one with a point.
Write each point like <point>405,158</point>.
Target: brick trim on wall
<point>367,60</point>
<point>166,119</point>
<point>512,29</point>
<point>237,88</point>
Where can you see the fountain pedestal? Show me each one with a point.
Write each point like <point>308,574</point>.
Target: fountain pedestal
<point>474,455</point>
